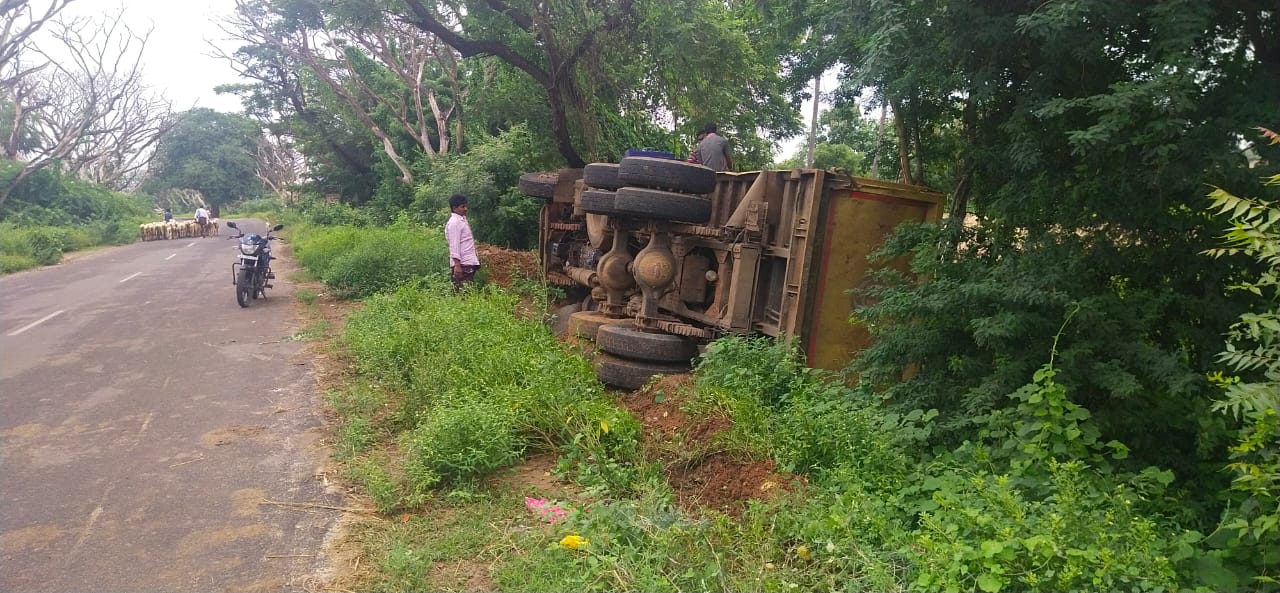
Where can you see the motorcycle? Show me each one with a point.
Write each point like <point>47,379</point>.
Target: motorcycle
<point>252,269</point>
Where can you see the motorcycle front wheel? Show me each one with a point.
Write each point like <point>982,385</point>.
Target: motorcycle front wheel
<point>244,287</point>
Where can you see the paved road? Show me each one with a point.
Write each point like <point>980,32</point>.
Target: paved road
<point>144,417</point>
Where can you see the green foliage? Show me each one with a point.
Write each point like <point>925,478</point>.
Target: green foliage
<point>210,152</point>
<point>46,245</point>
<point>829,156</point>
<point>1249,529</point>
<point>51,214</point>
<point>812,423</point>
<point>357,262</point>
<point>1137,349</point>
<point>487,174</point>
<point>758,369</point>
<point>461,439</point>
<point>987,534</point>
<point>15,263</point>
<point>479,385</point>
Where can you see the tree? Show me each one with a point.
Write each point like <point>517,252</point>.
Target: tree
<point>90,113</point>
<point>1080,133</point>
<point>381,70</point>
<point>289,101</point>
<point>18,22</point>
<point>210,152</point>
<point>607,70</point>
<point>279,166</point>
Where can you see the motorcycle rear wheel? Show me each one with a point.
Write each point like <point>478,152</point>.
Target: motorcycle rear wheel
<point>244,287</point>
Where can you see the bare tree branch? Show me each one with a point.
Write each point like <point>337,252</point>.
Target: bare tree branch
<point>299,45</point>
<point>280,166</point>
<point>259,60</point>
<point>91,111</point>
<point>17,24</point>
<point>557,79</point>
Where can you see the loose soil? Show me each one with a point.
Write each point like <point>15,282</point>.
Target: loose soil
<point>701,476</point>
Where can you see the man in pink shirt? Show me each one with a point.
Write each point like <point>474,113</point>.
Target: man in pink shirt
<point>463,261</point>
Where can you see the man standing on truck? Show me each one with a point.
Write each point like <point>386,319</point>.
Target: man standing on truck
<point>463,261</point>
<point>713,150</point>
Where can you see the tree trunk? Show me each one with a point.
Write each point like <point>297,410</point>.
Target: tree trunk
<point>875,157</point>
<point>813,123</point>
<point>904,142</point>
<point>556,79</point>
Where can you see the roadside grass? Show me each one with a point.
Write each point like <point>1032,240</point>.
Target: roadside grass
<point>315,330</point>
<point>438,392</point>
<point>26,247</point>
<point>304,296</point>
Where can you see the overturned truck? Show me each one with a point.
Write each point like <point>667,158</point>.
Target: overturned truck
<point>663,256</point>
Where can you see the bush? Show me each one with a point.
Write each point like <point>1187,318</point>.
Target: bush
<point>15,263</point>
<point>487,174</point>
<point>480,385</point>
<point>462,440</point>
<point>358,262</point>
<point>386,259</point>
<point>46,245</point>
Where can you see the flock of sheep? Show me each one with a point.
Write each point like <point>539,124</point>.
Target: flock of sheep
<point>176,229</point>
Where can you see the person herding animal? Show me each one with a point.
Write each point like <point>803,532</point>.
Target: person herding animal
<point>202,219</point>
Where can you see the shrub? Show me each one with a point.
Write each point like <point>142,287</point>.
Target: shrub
<point>462,440</point>
<point>46,245</point>
<point>16,263</point>
<point>359,261</point>
<point>487,174</point>
<point>1249,529</point>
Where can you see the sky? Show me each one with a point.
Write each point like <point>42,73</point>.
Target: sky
<point>177,63</point>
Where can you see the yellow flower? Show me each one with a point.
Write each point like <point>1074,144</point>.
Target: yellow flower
<point>803,552</point>
<point>574,542</point>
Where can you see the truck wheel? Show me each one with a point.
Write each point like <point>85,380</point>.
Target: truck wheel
<point>629,341</point>
<point>539,185</point>
<point>587,323</point>
<point>632,374</point>
<point>672,175</point>
<point>597,201</point>
<point>662,205</point>
<point>601,175</point>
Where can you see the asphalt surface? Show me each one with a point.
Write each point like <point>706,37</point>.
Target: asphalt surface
<point>145,418</point>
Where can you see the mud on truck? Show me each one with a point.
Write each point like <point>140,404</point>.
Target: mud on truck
<point>662,256</point>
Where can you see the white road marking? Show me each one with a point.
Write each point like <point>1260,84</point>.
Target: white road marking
<point>191,243</point>
<point>36,322</point>
<point>170,257</point>
<point>130,277</point>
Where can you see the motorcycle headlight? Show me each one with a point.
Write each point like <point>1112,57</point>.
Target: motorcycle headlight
<point>248,248</point>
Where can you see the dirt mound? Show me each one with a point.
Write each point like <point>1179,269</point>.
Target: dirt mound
<point>700,474</point>
<point>506,265</point>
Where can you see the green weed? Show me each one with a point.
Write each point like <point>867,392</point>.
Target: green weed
<point>317,329</point>
<point>305,296</point>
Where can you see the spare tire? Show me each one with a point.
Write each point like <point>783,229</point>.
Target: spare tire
<point>662,205</point>
<point>632,374</point>
<point>597,201</point>
<point>629,341</point>
<point>601,175</point>
<point>668,174</point>
<point>539,185</point>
